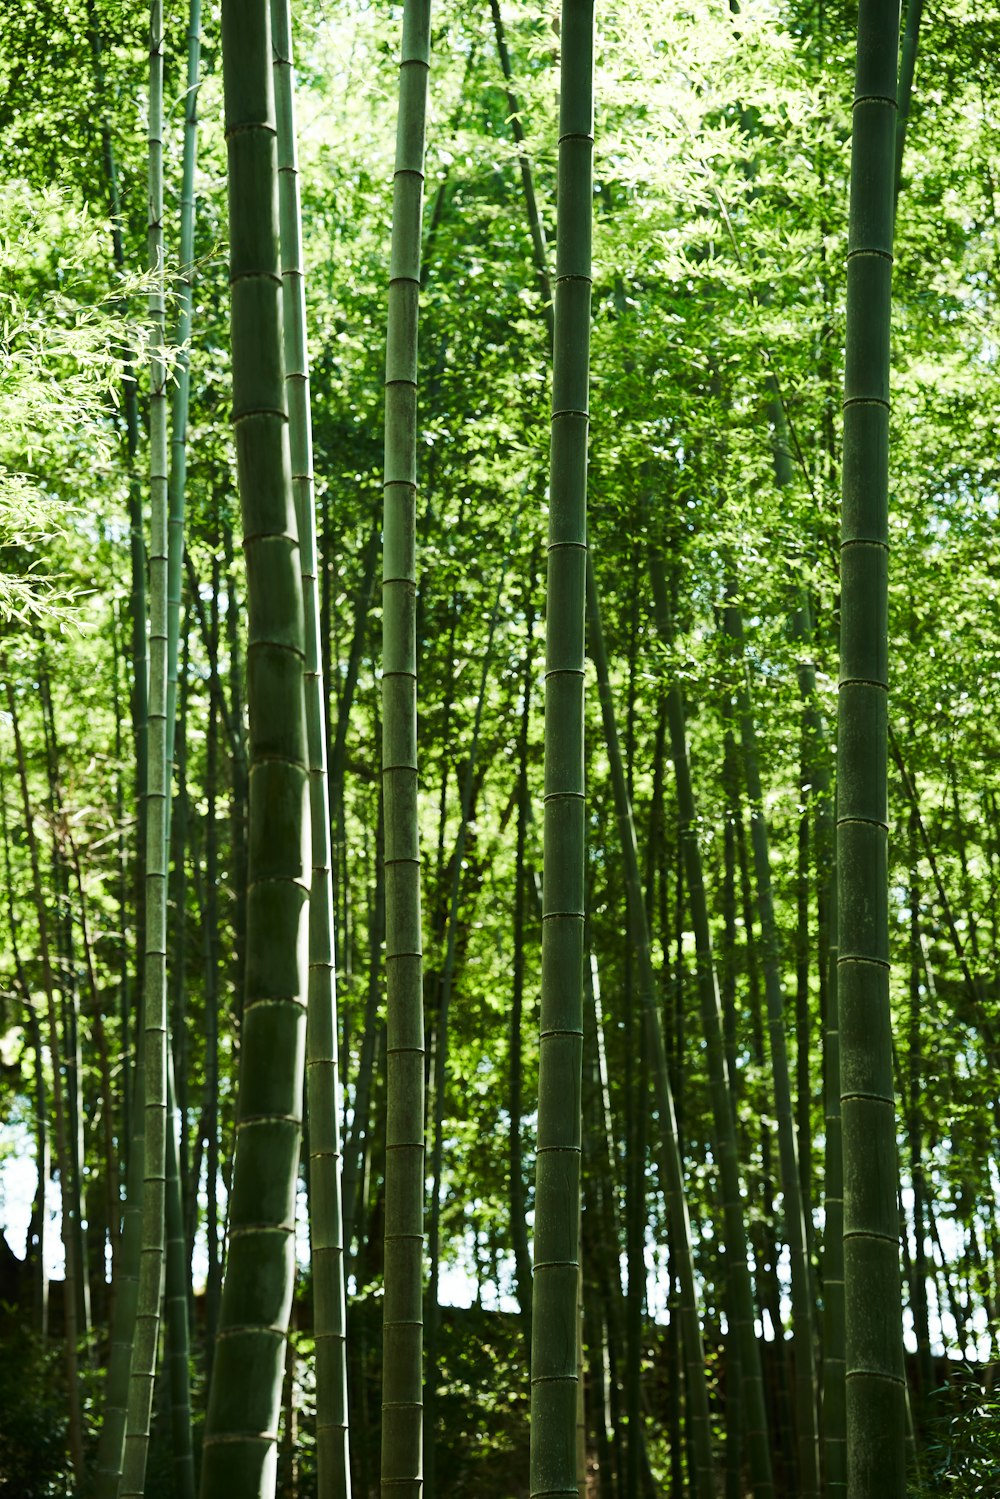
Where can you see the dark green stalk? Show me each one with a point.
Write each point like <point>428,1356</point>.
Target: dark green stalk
<point>184,292</point>
<point>535,227</point>
<point>358,1139</point>
<point>210,928</point>
<point>240,1452</point>
<point>907,70</point>
<point>518,1224</point>
<point>557,1173</point>
<point>876,1414</point>
<point>402,1328</point>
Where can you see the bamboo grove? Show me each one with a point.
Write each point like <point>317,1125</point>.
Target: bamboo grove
<point>499,750</point>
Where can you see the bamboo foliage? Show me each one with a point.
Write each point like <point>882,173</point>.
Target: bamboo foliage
<point>402,1404</point>
<point>795,1209</point>
<point>154,1006</point>
<point>671,1163</point>
<point>553,1467</point>
<point>720,1082</point>
<point>322,1083</point>
<point>240,1451</point>
<point>876,1417</point>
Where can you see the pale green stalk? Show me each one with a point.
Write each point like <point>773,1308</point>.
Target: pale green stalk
<point>176,1307</point>
<point>402,1327</point>
<point>322,1083</point>
<point>147,1322</point>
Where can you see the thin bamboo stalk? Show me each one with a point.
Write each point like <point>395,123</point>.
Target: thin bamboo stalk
<point>322,1081</point>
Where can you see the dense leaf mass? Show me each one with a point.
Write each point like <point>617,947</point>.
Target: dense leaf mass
<point>717,361</point>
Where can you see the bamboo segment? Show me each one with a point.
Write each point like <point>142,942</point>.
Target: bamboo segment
<point>402,1398</point>
<point>876,1417</point>
<point>322,1082</point>
<point>557,1173</point>
<point>240,1452</point>
<point>147,1321</point>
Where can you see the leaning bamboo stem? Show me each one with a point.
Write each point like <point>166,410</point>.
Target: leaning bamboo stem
<point>147,1324</point>
<point>322,1082</point>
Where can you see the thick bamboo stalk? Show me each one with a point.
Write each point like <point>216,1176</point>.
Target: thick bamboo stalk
<point>557,1172</point>
<point>322,1082</point>
<point>402,1458</point>
<point>876,1414</point>
<point>240,1452</point>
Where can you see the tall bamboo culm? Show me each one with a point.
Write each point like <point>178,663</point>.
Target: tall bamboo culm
<point>875,1389</point>
<point>177,1269</point>
<point>402,1396</point>
<point>240,1451</point>
<point>147,1321</point>
<point>553,1465</point>
<point>322,1082</point>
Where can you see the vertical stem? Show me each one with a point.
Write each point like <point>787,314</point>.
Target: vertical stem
<point>876,1417</point>
<point>147,1323</point>
<point>322,1081</point>
<point>515,1168</point>
<point>240,1451</point>
<point>176,1309</point>
<point>557,1171</point>
<point>404,1176</point>
<point>210,926</point>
